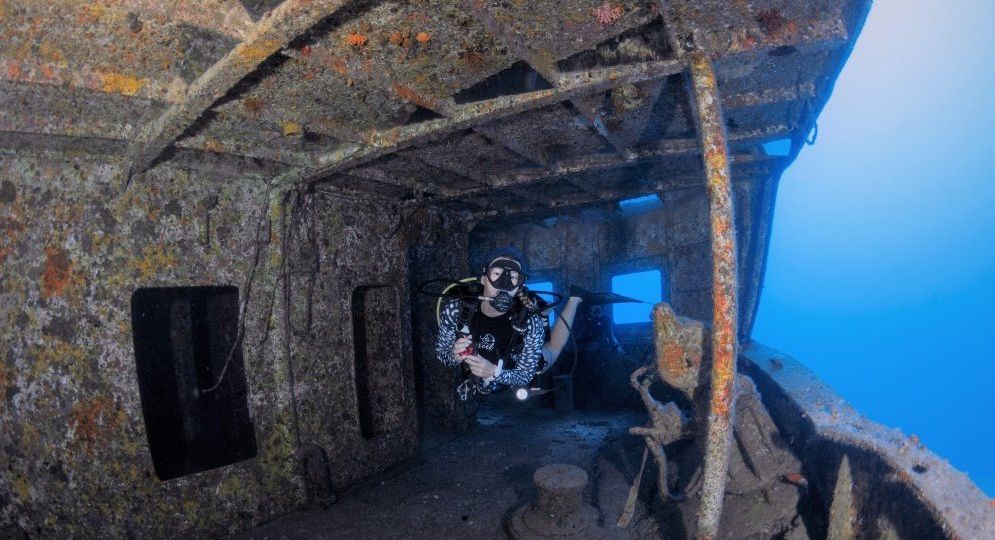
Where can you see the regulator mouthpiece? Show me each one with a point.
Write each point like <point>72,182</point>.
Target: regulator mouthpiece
<point>502,302</point>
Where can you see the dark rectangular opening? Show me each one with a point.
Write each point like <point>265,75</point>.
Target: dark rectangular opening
<point>183,337</point>
<point>377,350</point>
<point>520,78</point>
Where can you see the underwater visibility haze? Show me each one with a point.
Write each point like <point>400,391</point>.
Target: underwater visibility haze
<point>881,271</point>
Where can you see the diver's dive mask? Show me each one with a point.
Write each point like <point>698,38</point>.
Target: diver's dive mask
<point>508,280</point>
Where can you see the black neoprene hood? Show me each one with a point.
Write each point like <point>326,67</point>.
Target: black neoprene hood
<point>506,252</point>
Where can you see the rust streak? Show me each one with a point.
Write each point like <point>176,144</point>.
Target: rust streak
<point>57,272</point>
<point>711,131</point>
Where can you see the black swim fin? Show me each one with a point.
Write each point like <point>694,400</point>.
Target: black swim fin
<point>590,297</point>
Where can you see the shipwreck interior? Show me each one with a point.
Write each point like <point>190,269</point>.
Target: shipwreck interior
<point>216,216</point>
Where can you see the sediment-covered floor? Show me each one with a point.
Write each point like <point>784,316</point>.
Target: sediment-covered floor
<point>466,485</point>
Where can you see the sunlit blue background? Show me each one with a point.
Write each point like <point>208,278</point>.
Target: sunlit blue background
<point>881,274</point>
<point>646,286</point>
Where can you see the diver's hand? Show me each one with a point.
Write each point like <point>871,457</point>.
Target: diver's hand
<point>480,366</point>
<point>460,346</point>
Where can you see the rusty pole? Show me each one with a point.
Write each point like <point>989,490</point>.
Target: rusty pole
<point>711,132</point>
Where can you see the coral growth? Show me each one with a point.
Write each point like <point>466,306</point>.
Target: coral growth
<point>607,13</point>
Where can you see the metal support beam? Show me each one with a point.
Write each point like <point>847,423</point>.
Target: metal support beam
<point>388,141</point>
<point>288,21</point>
<point>606,197</point>
<point>586,106</point>
<point>378,175</point>
<point>443,106</point>
<point>482,181</point>
<point>509,182</point>
<point>711,130</point>
<point>592,163</point>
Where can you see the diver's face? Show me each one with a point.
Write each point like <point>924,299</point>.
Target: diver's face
<point>501,274</point>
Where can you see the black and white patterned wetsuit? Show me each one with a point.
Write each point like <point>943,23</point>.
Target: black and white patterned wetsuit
<point>519,368</point>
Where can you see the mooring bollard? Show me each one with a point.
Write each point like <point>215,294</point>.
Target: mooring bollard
<point>560,511</point>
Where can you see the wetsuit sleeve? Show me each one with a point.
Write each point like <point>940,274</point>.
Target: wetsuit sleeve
<point>448,320</point>
<point>528,359</point>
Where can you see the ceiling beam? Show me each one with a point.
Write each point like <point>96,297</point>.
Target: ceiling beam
<point>544,64</point>
<point>383,142</point>
<point>695,181</point>
<point>595,163</point>
<point>769,96</point>
<point>285,23</point>
<point>517,181</point>
<point>376,174</point>
<point>518,147</point>
<point>470,176</point>
<point>235,148</point>
<point>442,106</point>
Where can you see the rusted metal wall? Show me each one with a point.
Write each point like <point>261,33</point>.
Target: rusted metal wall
<point>437,249</point>
<point>75,459</point>
<point>588,248</point>
<point>336,246</point>
<point>574,250</point>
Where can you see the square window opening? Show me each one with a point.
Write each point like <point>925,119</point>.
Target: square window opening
<point>646,286</point>
<point>639,205</point>
<point>195,408</point>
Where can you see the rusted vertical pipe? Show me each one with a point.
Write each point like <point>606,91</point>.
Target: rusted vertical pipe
<point>711,131</point>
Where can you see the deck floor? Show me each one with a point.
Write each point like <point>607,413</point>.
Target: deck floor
<point>461,486</point>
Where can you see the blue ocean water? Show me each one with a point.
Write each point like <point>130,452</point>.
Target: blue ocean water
<point>881,272</point>
<point>646,286</point>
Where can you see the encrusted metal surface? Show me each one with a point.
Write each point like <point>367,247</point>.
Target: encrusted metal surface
<point>897,478</point>
<point>75,457</point>
<point>360,110</point>
<point>348,77</point>
<point>724,292</point>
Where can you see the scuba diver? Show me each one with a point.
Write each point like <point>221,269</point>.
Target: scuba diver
<point>495,329</point>
<point>498,339</point>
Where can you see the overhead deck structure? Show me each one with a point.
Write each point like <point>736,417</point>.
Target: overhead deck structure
<point>490,113</point>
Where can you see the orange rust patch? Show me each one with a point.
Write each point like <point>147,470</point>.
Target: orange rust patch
<point>423,37</point>
<point>721,401</point>
<point>356,40</point>
<point>92,420</point>
<point>339,66</point>
<point>118,83</point>
<point>52,54</point>
<point>408,93</point>
<point>253,106</point>
<point>328,60</point>
<point>672,360</point>
<point>10,230</point>
<point>5,381</point>
<point>473,59</point>
<point>57,272</point>
<point>795,478</point>
<point>776,25</point>
<point>399,38</point>
<point>253,53</point>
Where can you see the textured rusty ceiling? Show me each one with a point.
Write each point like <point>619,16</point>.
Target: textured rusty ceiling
<point>471,104</point>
